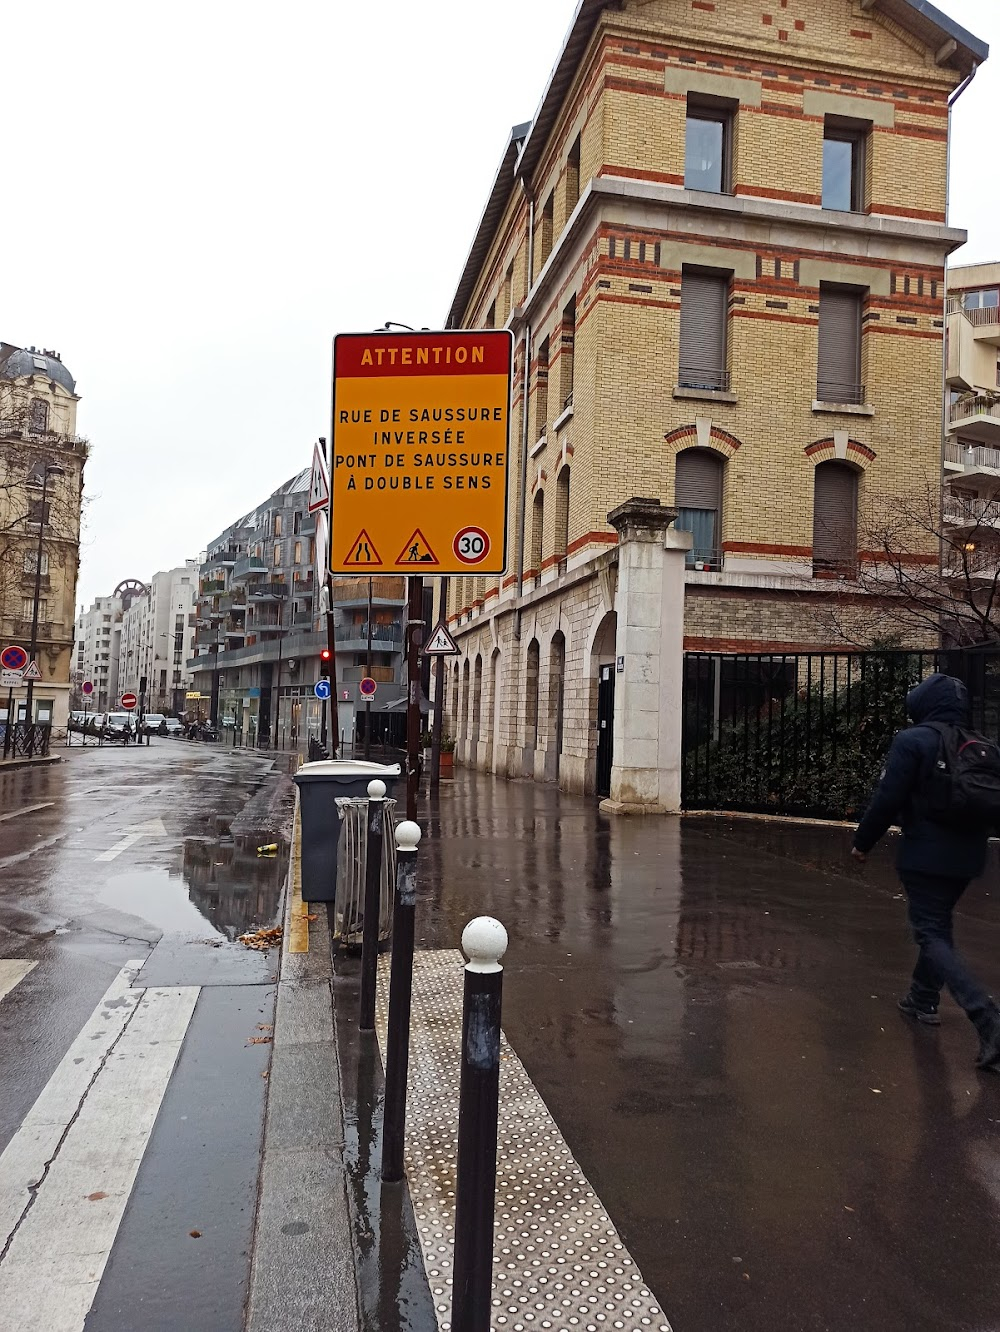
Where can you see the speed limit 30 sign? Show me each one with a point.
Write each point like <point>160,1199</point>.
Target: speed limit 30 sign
<point>472,546</point>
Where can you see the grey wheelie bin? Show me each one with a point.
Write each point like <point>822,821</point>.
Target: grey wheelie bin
<point>327,790</point>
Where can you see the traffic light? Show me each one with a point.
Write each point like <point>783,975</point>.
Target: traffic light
<point>324,656</point>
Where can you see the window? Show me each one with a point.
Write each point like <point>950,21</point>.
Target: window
<point>698,499</point>
<point>542,389</point>
<point>537,524</point>
<point>544,239</point>
<point>298,553</point>
<point>844,150</point>
<point>38,513</point>
<point>296,523</point>
<point>704,306</point>
<point>491,316</point>
<point>835,520</point>
<point>508,289</point>
<point>839,377</point>
<point>277,554</point>
<point>28,608</point>
<point>38,420</point>
<point>981,300</point>
<point>573,176</point>
<point>566,356</point>
<point>708,147</point>
<point>31,562</point>
<point>277,524</point>
<point>562,512</point>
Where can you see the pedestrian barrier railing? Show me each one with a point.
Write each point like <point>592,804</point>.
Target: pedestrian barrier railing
<point>26,739</point>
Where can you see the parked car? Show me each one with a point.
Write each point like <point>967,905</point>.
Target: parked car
<point>174,726</point>
<point>115,724</point>
<point>154,723</point>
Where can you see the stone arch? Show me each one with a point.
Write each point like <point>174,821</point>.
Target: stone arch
<point>702,434</point>
<point>841,448</point>
<point>531,672</point>
<point>477,697</point>
<point>556,701</point>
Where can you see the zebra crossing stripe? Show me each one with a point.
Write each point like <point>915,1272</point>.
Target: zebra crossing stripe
<point>12,971</point>
<point>67,1173</point>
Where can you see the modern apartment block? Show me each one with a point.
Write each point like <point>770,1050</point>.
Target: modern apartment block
<point>157,639</point>
<point>95,654</point>
<point>41,487</point>
<point>260,632</point>
<point>721,247</point>
<point>972,407</point>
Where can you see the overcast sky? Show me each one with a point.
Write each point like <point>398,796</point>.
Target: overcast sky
<point>198,196</point>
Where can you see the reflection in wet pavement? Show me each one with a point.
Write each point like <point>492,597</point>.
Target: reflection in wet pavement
<point>710,1016</point>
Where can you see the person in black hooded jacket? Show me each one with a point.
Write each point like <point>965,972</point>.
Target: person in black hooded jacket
<point>935,862</point>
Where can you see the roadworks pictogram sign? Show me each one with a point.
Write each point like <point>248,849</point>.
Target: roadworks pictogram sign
<point>362,553</point>
<point>417,551</point>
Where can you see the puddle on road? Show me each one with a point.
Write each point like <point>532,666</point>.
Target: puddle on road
<point>222,890</point>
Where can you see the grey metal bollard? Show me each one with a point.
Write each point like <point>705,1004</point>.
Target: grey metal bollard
<point>369,932</point>
<point>397,1045</point>
<point>484,941</point>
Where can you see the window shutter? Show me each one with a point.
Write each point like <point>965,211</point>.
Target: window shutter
<point>835,521</point>
<point>839,347</point>
<point>703,331</point>
<point>699,480</point>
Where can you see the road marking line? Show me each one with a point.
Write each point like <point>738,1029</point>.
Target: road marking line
<point>28,809</point>
<point>54,1263</point>
<point>11,972</point>
<point>298,924</point>
<point>119,847</point>
<point>22,1164</point>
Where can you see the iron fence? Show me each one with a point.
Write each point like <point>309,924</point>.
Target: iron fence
<point>806,734</point>
<point>25,739</point>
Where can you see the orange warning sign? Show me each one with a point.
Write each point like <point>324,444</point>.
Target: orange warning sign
<point>361,552</point>
<point>421,427</point>
<point>417,551</point>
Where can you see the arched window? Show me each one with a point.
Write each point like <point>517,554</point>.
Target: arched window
<point>562,513</point>
<point>454,700</point>
<point>537,521</point>
<point>835,521</point>
<point>531,697</point>
<point>464,715</point>
<point>698,498</point>
<point>477,698</point>
<point>557,683</point>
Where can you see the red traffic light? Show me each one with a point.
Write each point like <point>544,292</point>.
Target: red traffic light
<point>324,654</point>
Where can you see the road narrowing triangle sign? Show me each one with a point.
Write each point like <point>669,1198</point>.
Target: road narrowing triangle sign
<point>440,644</point>
<point>319,486</point>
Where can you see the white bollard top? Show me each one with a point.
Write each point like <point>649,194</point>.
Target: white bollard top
<point>407,835</point>
<point>376,790</point>
<point>484,942</point>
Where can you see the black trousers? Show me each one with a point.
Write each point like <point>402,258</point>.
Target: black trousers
<point>932,899</point>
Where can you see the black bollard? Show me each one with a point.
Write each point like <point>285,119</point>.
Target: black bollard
<point>484,940</point>
<point>373,895</point>
<point>397,1052</point>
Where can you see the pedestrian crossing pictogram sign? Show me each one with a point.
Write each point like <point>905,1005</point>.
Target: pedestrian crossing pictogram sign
<point>440,644</point>
<point>319,486</point>
<point>420,450</point>
<point>417,550</point>
<point>31,672</point>
<point>362,553</point>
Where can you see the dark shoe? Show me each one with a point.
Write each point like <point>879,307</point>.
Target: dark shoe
<point>989,1046</point>
<point>928,1016</point>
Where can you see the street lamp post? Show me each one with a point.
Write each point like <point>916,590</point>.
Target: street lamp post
<point>50,469</point>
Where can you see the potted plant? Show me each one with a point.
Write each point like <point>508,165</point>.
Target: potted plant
<point>447,756</point>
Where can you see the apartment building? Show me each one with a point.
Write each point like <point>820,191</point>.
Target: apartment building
<point>41,489</point>
<point>260,630</point>
<point>157,639</point>
<point>721,247</point>
<point>971,508</point>
<point>96,645</point>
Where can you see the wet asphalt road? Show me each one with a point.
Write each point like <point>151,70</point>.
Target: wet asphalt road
<point>114,854</point>
<point>708,1010</point>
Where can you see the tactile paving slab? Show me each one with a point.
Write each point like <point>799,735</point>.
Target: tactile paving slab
<point>558,1261</point>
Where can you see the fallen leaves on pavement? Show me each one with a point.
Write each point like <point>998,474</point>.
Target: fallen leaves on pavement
<point>261,940</point>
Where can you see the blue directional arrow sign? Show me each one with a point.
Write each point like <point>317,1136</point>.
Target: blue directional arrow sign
<point>322,689</point>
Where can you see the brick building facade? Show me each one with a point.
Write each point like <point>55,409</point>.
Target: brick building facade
<point>721,248</point>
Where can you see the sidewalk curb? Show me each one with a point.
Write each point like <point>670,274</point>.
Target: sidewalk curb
<point>14,765</point>
<point>303,1274</point>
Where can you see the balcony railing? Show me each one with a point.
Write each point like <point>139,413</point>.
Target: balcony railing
<point>249,564</point>
<point>381,633</point>
<point>236,602</point>
<point>224,555</point>
<point>209,586</point>
<point>269,591</point>
<point>308,525</point>
<point>356,589</point>
<point>979,317</point>
<point>303,618</point>
<point>703,377</point>
<point>972,455</point>
<point>380,674</point>
<point>975,404</point>
<point>703,561</point>
<point>972,512</point>
<point>838,390</point>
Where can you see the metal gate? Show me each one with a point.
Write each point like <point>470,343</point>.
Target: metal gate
<point>605,729</point>
<point>806,733</point>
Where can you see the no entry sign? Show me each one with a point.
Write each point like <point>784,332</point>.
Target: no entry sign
<point>129,701</point>
<point>421,427</point>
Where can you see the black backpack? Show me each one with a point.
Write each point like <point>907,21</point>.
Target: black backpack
<point>963,786</point>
